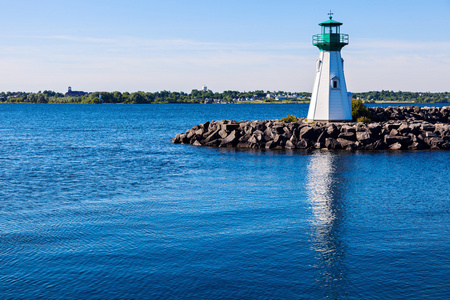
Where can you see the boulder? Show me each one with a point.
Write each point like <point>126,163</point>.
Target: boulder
<point>223,133</point>
<point>377,145</point>
<point>230,127</point>
<point>351,136</point>
<point>333,131</point>
<point>363,137</point>
<point>345,143</point>
<point>289,145</point>
<point>307,132</point>
<point>332,143</point>
<point>395,146</point>
<point>177,139</point>
<point>348,128</point>
<point>302,144</point>
<point>270,145</point>
<point>403,140</point>
<point>427,127</point>
<point>390,126</point>
<point>230,141</point>
<point>404,129</point>
<point>213,136</point>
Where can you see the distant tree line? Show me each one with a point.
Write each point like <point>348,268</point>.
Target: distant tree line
<point>196,96</point>
<point>391,96</point>
<point>200,96</point>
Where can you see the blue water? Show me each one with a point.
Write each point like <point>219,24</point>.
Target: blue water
<point>97,203</point>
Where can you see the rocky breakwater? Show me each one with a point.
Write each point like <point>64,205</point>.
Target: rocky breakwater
<point>422,128</point>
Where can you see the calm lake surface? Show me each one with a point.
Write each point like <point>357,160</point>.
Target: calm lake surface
<point>97,203</point>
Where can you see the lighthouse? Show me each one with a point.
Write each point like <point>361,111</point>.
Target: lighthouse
<point>330,100</point>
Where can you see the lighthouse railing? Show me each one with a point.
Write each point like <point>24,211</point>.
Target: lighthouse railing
<point>326,38</point>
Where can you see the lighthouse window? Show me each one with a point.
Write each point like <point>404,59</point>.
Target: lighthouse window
<point>334,82</point>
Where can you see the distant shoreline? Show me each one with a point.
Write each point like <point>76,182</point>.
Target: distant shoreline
<point>209,97</point>
<point>226,103</point>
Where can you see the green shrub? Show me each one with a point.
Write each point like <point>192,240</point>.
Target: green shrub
<point>289,119</point>
<point>360,110</point>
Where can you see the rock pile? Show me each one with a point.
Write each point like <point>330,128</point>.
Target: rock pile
<point>405,132</point>
<point>411,114</point>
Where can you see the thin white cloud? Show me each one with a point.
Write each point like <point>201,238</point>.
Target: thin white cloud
<point>169,44</point>
<point>77,39</point>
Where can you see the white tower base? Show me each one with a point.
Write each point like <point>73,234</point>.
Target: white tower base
<point>330,100</point>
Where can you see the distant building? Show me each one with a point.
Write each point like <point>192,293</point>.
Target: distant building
<point>205,88</point>
<point>75,93</point>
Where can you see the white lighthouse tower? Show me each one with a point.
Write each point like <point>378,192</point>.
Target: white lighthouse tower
<point>330,100</point>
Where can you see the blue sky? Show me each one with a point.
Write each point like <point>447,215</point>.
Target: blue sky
<point>244,45</point>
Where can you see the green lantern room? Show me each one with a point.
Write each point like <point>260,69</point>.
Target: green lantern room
<point>330,38</point>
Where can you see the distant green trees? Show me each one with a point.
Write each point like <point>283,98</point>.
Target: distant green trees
<point>391,96</point>
<point>200,96</point>
<point>140,97</point>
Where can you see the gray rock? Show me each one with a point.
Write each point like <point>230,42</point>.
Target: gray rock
<point>333,131</point>
<point>395,146</point>
<point>293,139</point>
<point>363,137</point>
<point>268,134</point>
<point>230,127</point>
<point>351,136</point>
<point>213,136</point>
<point>307,133</point>
<point>302,144</point>
<point>361,127</point>
<point>206,126</point>
<point>289,145</point>
<point>430,134</point>
<point>348,128</point>
<point>270,145</point>
<point>403,140</point>
<point>427,127</point>
<point>222,133</point>
<point>404,129</point>
<point>322,137</point>
<point>377,145</point>
<point>434,142</point>
<point>230,140</point>
<point>394,132</point>
<point>177,139</point>
<point>318,145</point>
<point>184,139</point>
<point>214,143</point>
<point>416,146</point>
<point>344,142</point>
<point>245,138</point>
<point>390,126</point>
<point>332,143</point>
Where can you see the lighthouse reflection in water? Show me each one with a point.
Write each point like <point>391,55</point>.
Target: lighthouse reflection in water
<point>326,187</point>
